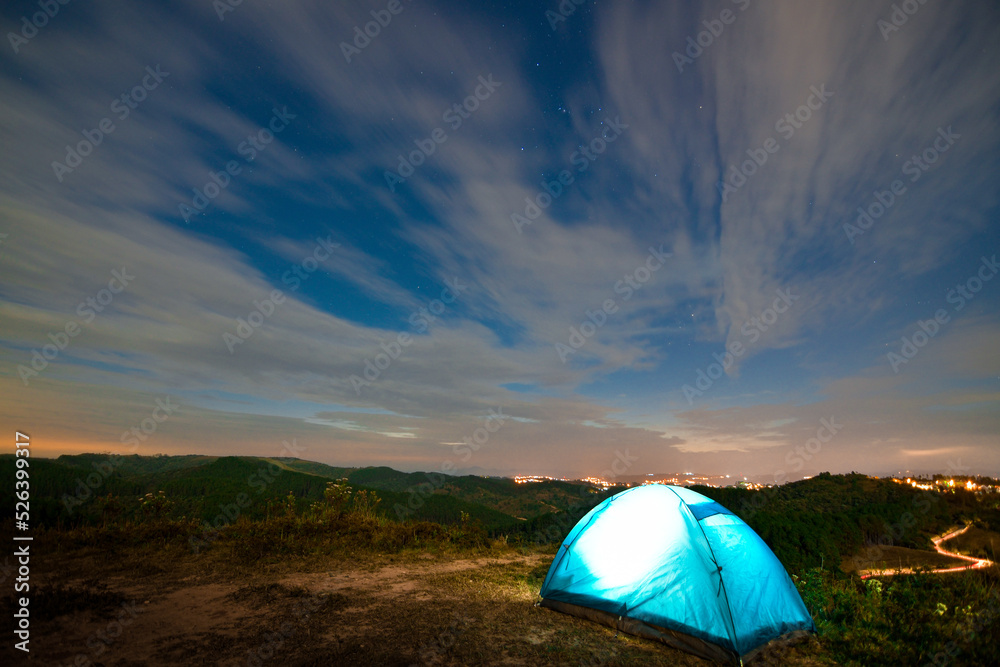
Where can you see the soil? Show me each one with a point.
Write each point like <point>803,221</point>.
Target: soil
<point>148,607</point>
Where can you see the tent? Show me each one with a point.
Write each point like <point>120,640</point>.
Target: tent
<point>667,563</point>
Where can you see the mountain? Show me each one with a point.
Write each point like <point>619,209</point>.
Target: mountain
<point>820,520</point>
<point>71,490</point>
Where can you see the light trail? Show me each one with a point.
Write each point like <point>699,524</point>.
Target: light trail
<point>974,563</point>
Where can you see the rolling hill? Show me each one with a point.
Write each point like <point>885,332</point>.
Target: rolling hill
<point>74,490</point>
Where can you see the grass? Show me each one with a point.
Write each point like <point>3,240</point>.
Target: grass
<point>336,585</point>
<point>453,602</point>
<point>976,542</point>
<point>908,619</point>
<point>892,558</point>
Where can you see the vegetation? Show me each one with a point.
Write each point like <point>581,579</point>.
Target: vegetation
<point>81,490</point>
<point>906,620</point>
<point>210,508</point>
<point>822,522</point>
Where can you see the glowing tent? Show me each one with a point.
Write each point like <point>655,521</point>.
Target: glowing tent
<point>670,564</point>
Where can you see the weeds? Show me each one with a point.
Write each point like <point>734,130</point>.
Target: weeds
<point>906,619</point>
<point>920,619</point>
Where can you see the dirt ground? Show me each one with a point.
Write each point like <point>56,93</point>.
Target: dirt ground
<point>92,608</point>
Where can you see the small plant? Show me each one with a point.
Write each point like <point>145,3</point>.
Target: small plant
<point>289,505</point>
<point>111,508</point>
<point>155,506</point>
<point>365,503</point>
<point>337,494</point>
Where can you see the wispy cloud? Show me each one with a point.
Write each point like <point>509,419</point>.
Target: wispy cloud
<point>656,186</point>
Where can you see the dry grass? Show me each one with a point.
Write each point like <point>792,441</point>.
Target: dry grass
<point>891,558</point>
<point>412,607</point>
<point>976,542</point>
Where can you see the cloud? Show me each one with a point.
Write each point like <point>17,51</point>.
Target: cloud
<point>655,186</point>
<point>939,452</point>
<point>784,227</point>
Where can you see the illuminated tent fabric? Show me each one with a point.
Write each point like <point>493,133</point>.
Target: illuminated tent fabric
<point>667,563</point>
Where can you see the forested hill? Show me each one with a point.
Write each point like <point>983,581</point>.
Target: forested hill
<point>831,517</point>
<point>78,489</point>
<point>822,520</point>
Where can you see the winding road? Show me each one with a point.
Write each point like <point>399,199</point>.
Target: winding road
<point>974,563</point>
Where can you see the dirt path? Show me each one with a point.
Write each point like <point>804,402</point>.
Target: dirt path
<point>402,610</point>
<point>405,609</point>
<point>393,580</point>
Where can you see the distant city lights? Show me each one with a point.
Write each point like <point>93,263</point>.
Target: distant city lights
<point>979,485</point>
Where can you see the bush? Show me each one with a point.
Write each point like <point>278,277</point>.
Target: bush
<point>906,619</point>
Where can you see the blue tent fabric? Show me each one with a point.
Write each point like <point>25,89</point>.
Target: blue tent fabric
<point>671,562</point>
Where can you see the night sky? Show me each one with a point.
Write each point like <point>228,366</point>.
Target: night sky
<point>730,237</point>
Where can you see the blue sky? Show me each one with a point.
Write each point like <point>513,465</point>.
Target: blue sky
<point>635,229</point>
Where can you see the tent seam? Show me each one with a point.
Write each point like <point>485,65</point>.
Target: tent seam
<point>722,581</point>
